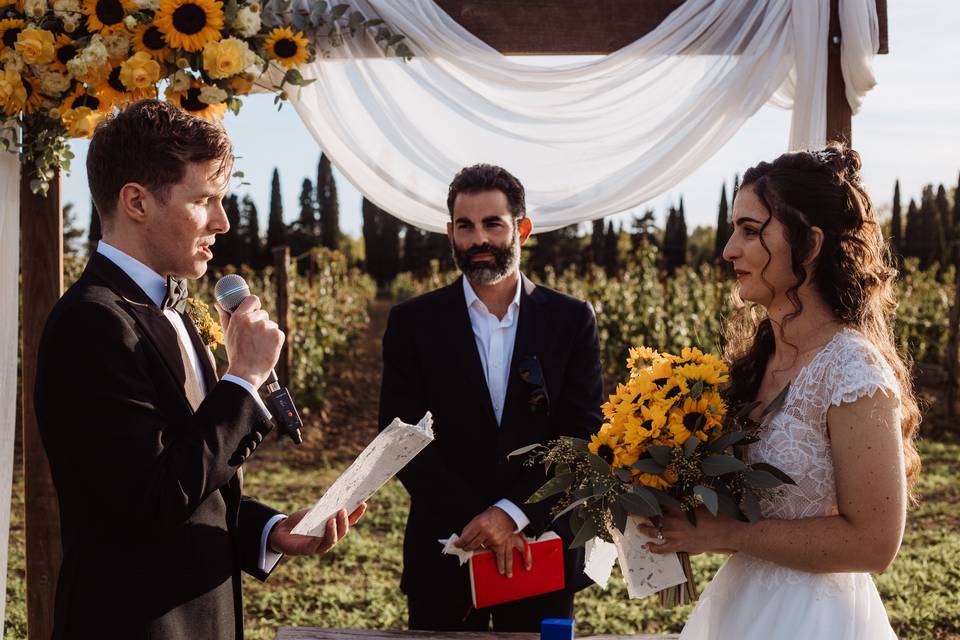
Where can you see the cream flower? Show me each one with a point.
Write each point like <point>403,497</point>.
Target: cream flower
<point>247,22</point>
<point>35,8</point>
<point>10,59</point>
<point>53,83</point>
<point>35,45</point>
<point>117,44</point>
<point>212,95</point>
<point>139,72</point>
<point>227,58</point>
<point>180,81</point>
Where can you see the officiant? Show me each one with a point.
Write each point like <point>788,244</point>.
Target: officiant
<point>501,363</point>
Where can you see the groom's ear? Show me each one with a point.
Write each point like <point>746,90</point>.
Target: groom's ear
<point>525,226</point>
<point>132,202</point>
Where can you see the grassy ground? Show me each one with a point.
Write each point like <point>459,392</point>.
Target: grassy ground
<point>356,584</point>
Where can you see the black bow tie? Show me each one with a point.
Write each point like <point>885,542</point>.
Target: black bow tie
<point>176,297</point>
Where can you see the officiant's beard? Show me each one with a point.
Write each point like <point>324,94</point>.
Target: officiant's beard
<point>505,261</point>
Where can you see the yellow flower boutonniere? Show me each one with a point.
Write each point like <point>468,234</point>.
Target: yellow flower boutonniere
<point>209,329</point>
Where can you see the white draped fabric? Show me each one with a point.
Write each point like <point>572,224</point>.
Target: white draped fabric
<point>9,284</point>
<point>587,140</point>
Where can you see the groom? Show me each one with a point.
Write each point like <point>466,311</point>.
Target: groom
<point>145,443</point>
<point>500,363</point>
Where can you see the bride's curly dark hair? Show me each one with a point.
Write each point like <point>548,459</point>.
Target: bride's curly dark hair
<point>853,273</point>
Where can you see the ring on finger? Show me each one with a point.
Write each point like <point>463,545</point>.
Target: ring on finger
<point>659,534</point>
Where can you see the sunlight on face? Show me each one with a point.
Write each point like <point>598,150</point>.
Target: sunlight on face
<point>485,238</point>
<point>183,227</point>
<point>764,273</point>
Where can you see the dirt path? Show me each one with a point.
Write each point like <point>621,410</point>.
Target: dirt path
<point>348,420</point>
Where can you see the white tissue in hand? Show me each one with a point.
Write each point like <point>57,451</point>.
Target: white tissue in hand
<point>450,549</point>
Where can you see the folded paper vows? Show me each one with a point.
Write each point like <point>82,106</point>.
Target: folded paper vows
<point>488,587</point>
<point>389,452</point>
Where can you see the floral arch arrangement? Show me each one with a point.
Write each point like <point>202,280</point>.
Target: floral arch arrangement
<point>65,65</point>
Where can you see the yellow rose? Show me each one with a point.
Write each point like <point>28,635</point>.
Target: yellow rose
<point>226,58</point>
<point>82,121</point>
<point>13,95</point>
<point>35,46</point>
<point>140,71</point>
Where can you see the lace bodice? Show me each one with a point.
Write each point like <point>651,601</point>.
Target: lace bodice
<point>796,439</point>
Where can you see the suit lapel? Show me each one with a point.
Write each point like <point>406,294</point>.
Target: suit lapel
<point>466,354</point>
<point>530,330</point>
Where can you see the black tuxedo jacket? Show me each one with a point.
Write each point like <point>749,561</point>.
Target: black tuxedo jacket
<point>430,362</point>
<point>154,529</point>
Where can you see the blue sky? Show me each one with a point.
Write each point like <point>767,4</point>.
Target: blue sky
<point>908,128</point>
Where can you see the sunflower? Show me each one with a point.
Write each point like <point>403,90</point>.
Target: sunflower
<point>147,38</point>
<point>112,92</point>
<point>81,97</point>
<point>32,86</point>
<point>64,50</point>
<point>286,47</point>
<point>189,101</point>
<point>603,444</point>
<point>652,480</point>
<point>189,24</point>
<point>641,356</point>
<point>104,14</point>
<point>702,372</point>
<point>693,418</point>
<point>9,30</point>
<point>13,92</point>
<point>82,121</point>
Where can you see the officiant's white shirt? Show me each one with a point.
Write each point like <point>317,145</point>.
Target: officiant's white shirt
<point>495,339</point>
<point>155,286</point>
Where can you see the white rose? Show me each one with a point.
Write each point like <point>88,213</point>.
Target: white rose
<point>180,81</point>
<point>247,23</point>
<point>152,5</point>
<point>130,23</point>
<point>212,95</point>
<point>35,8</point>
<point>53,83</point>
<point>78,66</point>
<point>95,53</point>
<point>65,8</point>
<point>117,44</point>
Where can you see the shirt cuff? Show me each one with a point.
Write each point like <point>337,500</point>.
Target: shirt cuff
<point>250,389</point>
<point>268,558</point>
<point>519,518</point>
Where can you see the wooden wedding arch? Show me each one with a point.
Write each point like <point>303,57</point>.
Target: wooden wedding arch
<point>521,27</point>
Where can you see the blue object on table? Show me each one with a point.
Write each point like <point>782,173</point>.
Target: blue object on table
<point>556,629</point>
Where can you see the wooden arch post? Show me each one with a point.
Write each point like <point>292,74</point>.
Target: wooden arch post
<point>522,27</point>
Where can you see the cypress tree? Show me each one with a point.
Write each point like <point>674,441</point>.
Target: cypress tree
<point>611,258</point>
<point>913,232</point>
<point>227,250</point>
<point>276,229</point>
<point>252,251</point>
<point>381,237</point>
<point>597,238</point>
<point>723,226</point>
<point>327,205</point>
<point>896,223</point>
<point>415,250</point>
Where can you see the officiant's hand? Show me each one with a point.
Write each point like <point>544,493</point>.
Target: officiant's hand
<point>494,530</point>
<point>282,540</point>
<point>712,533</point>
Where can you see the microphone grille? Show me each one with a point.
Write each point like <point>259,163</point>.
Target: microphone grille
<point>230,291</point>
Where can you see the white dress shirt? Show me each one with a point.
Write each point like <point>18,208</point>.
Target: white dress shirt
<point>495,339</point>
<point>155,286</point>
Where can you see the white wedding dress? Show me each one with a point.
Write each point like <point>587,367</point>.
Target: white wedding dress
<point>752,599</point>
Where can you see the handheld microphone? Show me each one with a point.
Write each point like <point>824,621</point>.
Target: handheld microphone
<point>230,291</point>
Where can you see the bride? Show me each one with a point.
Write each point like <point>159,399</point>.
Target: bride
<point>807,247</point>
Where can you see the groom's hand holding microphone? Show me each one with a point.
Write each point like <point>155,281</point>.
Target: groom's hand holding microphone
<point>252,341</point>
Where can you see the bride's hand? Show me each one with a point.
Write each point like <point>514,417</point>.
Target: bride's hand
<point>712,534</point>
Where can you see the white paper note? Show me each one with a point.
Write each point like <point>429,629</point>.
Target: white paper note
<point>600,558</point>
<point>389,452</point>
<point>645,572</point>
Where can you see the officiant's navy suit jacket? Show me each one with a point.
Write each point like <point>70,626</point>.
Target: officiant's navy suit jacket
<point>430,362</point>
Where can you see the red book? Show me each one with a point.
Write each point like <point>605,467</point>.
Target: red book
<point>489,588</point>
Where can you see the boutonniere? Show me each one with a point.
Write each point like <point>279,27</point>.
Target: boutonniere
<point>209,329</point>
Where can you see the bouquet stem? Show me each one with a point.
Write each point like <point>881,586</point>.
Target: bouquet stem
<point>681,593</point>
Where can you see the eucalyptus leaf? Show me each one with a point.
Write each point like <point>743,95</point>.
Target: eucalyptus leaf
<point>624,475</point>
<point>747,409</point>
<point>664,498</point>
<point>647,496</point>
<point>619,516</point>
<point>552,487</point>
<point>719,464</point>
<point>648,465</point>
<point>578,444</point>
<point>709,497</point>
<point>523,450</point>
<point>761,479</point>
<point>573,505</point>
<point>690,446</point>
<point>697,390</point>
<point>727,440</point>
<point>633,504</point>
<point>750,505</point>
<point>230,10</point>
<point>727,505</point>
<point>599,465</point>
<point>661,454</point>
<point>772,470</point>
<point>339,10</point>
<point>404,51</point>
<point>586,531</point>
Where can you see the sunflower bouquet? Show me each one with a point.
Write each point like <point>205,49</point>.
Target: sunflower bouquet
<point>65,65</point>
<point>669,441</point>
